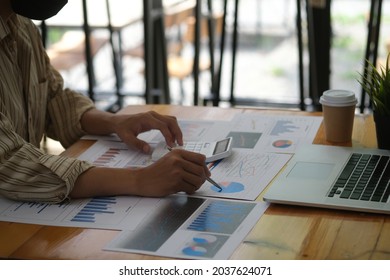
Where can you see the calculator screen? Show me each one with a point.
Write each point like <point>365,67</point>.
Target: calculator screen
<point>221,146</point>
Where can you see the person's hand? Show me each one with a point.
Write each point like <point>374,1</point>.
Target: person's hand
<point>177,171</point>
<point>128,127</point>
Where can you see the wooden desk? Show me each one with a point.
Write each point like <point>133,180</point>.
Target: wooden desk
<point>283,232</point>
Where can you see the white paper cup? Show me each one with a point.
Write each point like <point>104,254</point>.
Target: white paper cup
<point>338,107</point>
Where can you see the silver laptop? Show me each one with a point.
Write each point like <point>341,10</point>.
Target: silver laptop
<point>335,177</point>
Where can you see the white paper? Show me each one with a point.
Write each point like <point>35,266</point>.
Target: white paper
<point>278,134</point>
<point>175,226</point>
<point>114,213</point>
<point>243,175</point>
<point>192,228</point>
<point>105,153</point>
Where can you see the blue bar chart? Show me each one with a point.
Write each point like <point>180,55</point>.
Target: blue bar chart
<point>97,206</point>
<point>221,217</point>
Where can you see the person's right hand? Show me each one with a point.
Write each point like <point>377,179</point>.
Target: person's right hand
<point>177,171</point>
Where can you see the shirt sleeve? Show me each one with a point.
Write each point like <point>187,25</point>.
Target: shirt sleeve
<point>28,174</point>
<point>64,109</point>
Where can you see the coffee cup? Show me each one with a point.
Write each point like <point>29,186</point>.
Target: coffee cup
<point>338,107</point>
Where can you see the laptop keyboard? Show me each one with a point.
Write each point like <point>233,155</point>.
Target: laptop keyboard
<point>365,177</point>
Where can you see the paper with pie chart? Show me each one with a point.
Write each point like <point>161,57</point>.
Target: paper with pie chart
<point>243,175</point>
<point>191,228</point>
<point>278,134</point>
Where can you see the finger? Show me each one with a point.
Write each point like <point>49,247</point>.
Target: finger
<point>165,131</point>
<point>194,163</point>
<point>195,169</point>
<point>207,170</point>
<point>170,129</point>
<point>176,131</point>
<point>135,142</point>
<point>191,183</point>
<point>190,162</point>
<point>193,157</point>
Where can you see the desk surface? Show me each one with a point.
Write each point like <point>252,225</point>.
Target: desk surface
<point>283,232</point>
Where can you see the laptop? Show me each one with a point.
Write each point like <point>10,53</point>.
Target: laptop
<point>335,177</point>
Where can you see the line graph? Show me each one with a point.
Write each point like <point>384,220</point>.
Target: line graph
<point>247,165</point>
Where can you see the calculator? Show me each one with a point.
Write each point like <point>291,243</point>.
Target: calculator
<point>213,150</point>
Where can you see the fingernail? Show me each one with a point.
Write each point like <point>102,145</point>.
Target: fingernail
<point>146,149</point>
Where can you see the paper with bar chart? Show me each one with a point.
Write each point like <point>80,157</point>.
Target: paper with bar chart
<point>115,213</point>
<point>115,154</point>
<point>176,226</point>
<point>191,228</point>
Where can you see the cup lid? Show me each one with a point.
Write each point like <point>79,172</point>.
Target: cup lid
<point>338,98</point>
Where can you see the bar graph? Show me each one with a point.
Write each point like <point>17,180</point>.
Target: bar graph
<point>221,217</point>
<point>283,127</point>
<point>94,208</point>
<point>115,154</point>
<point>33,210</point>
<point>107,157</point>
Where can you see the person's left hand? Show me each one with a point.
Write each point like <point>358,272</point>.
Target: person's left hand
<point>128,127</point>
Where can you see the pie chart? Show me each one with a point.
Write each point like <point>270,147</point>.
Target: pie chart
<point>204,239</point>
<point>195,251</point>
<point>282,144</point>
<point>229,187</point>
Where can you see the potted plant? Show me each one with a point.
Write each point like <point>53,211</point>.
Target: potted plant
<point>376,83</point>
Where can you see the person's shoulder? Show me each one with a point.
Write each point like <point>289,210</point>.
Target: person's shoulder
<point>25,22</point>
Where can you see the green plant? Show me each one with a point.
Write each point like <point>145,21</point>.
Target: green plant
<point>376,83</point>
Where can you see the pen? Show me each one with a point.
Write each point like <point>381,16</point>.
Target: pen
<point>214,183</point>
<point>211,181</point>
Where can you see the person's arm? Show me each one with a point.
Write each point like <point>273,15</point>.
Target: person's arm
<point>177,171</point>
<point>72,115</point>
<point>28,174</point>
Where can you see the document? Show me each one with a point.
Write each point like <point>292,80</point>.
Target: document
<point>243,175</point>
<point>105,153</point>
<point>191,228</point>
<point>176,226</point>
<point>114,213</point>
<point>277,134</point>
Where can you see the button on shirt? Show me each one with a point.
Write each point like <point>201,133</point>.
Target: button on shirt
<point>33,102</point>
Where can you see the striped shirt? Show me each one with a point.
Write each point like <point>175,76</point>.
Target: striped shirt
<point>33,102</point>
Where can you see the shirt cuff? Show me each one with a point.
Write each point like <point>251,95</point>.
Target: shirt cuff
<point>67,169</point>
